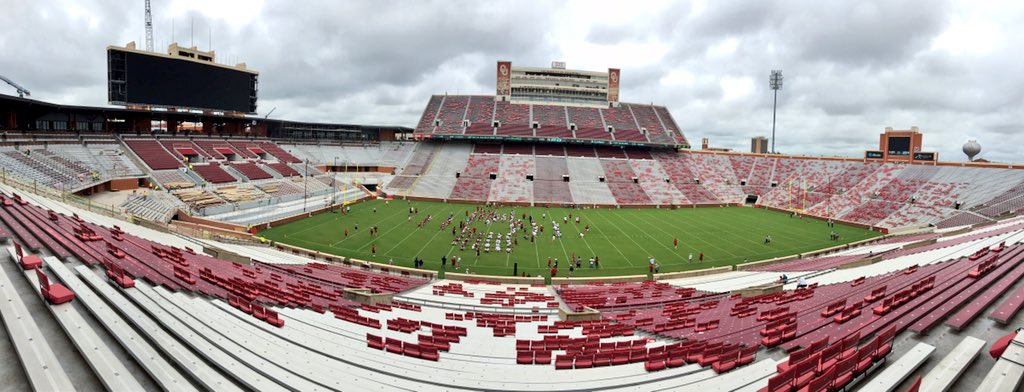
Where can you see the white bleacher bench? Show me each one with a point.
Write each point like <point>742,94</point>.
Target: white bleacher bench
<point>232,359</point>
<point>893,374</point>
<point>189,362</point>
<point>942,377</point>
<point>108,366</point>
<point>41,366</point>
<point>1008,370</point>
<point>162,372</point>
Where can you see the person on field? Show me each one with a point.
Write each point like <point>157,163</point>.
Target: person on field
<point>675,243</point>
<point>373,249</point>
<point>701,258</point>
<point>444,261</point>
<point>690,258</point>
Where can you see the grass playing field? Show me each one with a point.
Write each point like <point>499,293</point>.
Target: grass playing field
<point>622,239</point>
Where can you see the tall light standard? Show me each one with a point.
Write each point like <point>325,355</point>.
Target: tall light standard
<point>775,81</point>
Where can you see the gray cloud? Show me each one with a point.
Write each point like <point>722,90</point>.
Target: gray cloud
<point>852,68</point>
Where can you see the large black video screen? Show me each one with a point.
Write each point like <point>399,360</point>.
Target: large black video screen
<point>899,146</point>
<point>145,79</point>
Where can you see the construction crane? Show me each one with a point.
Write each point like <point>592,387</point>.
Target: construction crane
<point>149,28</point>
<point>22,92</point>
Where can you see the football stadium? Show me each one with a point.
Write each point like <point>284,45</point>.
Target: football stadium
<point>549,234</point>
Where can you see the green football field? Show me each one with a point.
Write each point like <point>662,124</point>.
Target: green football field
<point>622,239</point>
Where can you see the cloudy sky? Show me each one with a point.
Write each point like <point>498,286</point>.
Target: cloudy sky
<point>851,68</point>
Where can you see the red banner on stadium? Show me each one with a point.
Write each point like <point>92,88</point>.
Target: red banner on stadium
<point>613,85</point>
<point>504,78</point>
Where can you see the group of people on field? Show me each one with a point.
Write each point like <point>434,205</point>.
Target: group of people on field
<point>465,235</point>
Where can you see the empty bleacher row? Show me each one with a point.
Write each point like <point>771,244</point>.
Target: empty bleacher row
<point>394,344</point>
<point>481,115</point>
<point>212,337</point>
<point>883,195</point>
<point>67,165</point>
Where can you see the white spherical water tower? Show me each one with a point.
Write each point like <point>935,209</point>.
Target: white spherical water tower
<point>972,148</point>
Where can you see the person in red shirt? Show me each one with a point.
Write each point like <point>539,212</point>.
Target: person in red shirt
<point>675,243</point>
<point>701,258</point>
<point>554,271</point>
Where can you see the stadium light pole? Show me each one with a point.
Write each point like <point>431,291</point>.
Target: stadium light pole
<point>775,81</point>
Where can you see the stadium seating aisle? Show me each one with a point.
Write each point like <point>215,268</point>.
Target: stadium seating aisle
<point>426,123</point>
<point>480,112</point>
<point>452,113</point>
<point>214,174</point>
<point>511,184</point>
<point>514,119</point>
<point>714,173</point>
<point>176,268</point>
<point>484,296</point>
<point>153,154</point>
<point>251,171</point>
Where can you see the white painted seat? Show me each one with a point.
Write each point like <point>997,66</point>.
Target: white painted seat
<point>1006,374</point>
<point>196,367</point>
<point>109,368</point>
<point>942,377</point>
<point>41,366</point>
<point>893,374</point>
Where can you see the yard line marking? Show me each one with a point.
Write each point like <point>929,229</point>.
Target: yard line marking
<point>403,240</point>
<point>596,227</point>
<point>698,237</point>
<point>369,242</point>
<point>334,245</point>
<point>311,227</point>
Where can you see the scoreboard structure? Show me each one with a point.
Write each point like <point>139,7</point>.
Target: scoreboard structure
<point>184,78</point>
<point>902,146</point>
